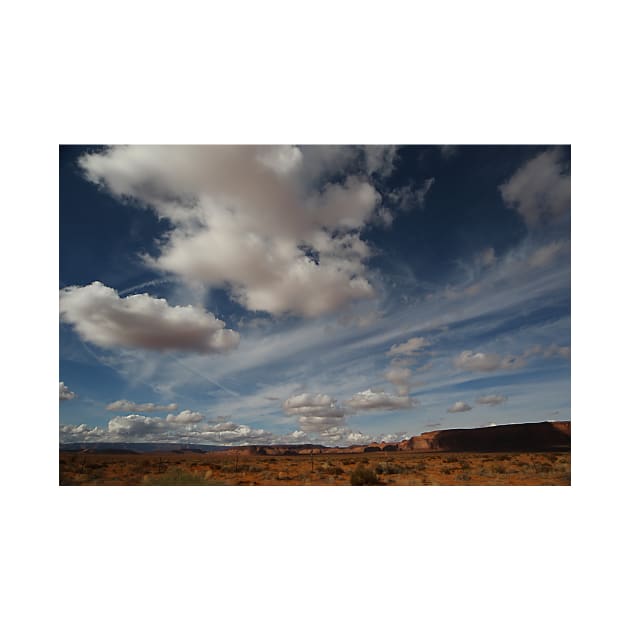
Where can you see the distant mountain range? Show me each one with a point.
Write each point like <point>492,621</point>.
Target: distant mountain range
<point>139,447</point>
<point>531,436</point>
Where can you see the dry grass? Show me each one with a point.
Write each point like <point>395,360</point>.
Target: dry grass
<point>391,468</point>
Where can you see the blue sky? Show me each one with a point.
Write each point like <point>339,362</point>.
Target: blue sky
<point>236,295</point>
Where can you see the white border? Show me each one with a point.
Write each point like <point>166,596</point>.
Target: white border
<point>451,72</point>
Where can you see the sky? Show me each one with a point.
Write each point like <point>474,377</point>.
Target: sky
<point>324,294</point>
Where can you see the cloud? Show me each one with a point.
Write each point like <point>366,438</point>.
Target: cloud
<point>558,351</point>
<point>540,190</point>
<point>392,437</point>
<point>185,417</point>
<point>313,405</point>
<point>459,407</point>
<point>80,433</point>
<point>345,435</point>
<point>297,435</point>
<point>356,437</point>
<point>399,376</point>
<point>380,160</point>
<point>477,361</point>
<point>409,197</point>
<point>370,400</point>
<point>318,412</point>
<point>545,255</point>
<point>409,348</point>
<point>186,427</point>
<point>128,405</point>
<point>358,320</point>
<point>448,151</point>
<point>229,433</point>
<point>279,227</point>
<point>135,425</point>
<point>402,362</point>
<point>491,399</point>
<point>101,316</point>
<point>319,424</point>
<point>554,350</point>
<point>486,362</point>
<point>487,257</point>
<point>65,393</point>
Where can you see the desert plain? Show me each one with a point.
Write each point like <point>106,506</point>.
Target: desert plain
<point>328,469</point>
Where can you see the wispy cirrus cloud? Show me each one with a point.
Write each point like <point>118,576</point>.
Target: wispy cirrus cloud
<point>491,399</point>
<point>128,405</point>
<point>410,348</point>
<point>486,361</point>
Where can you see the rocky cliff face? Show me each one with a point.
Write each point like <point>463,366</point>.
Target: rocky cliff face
<point>424,442</point>
<point>509,437</point>
<point>532,436</point>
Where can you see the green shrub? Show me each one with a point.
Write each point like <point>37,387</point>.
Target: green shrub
<point>362,476</point>
<point>388,468</point>
<point>177,477</point>
<point>331,469</point>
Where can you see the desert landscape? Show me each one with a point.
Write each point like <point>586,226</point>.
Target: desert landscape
<point>315,315</point>
<point>526,454</point>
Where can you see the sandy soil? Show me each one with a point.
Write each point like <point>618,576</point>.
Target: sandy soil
<point>390,468</point>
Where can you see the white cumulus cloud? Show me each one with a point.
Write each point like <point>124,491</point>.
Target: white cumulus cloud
<point>228,433</point>
<point>185,428</point>
<point>320,424</point>
<point>185,417</point>
<point>80,433</point>
<point>64,392</point>
<point>279,227</point>
<point>370,400</point>
<point>101,316</point>
<point>318,412</point>
<point>135,425</point>
<point>540,190</point>
<point>312,405</point>
<point>459,407</point>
